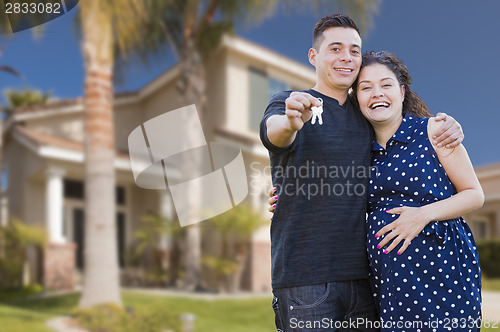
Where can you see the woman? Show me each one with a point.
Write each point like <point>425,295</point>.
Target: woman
<point>423,258</point>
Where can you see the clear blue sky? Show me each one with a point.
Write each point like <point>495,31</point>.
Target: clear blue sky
<point>450,46</point>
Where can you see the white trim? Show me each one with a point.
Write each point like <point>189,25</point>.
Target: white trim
<point>26,142</point>
<point>54,198</point>
<point>160,81</point>
<point>126,100</point>
<point>47,112</point>
<point>52,152</point>
<point>123,164</point>
<point>492,197</point>
<point>483,174</point>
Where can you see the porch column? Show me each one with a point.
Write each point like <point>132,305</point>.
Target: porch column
<point>54,204</point>
<point>496,226</point>
<point>59,255</point>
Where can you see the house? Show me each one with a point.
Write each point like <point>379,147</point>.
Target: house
<point>485,222</point>
<point>44,155</point>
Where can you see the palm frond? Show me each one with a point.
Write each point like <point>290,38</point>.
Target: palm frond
<point>10,70</point>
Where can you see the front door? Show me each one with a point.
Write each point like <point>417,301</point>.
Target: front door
<point>78,216</point>
<point>79,235</point>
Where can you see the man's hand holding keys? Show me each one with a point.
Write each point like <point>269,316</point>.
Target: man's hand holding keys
<point>298,109</point>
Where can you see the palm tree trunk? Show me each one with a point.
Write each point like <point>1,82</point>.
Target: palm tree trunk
<point>2,194</point>
<point>192,87</point>
<point>101,279</point>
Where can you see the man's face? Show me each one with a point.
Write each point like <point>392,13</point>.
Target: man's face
<point>338,58</point>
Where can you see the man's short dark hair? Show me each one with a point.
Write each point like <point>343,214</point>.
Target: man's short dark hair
<point>331,21</point>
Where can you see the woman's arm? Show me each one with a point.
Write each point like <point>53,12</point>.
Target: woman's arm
<point>469,197</point>
<point>459,168</point>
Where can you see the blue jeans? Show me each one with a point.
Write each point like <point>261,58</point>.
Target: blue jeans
<point>334,306</point>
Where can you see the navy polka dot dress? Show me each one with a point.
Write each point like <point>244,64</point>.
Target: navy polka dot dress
<point>436,282</point>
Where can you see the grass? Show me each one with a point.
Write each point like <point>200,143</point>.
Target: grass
<point>216,315</point>
<point>30,315</point>
<point>491,284</point>
<point>6,295</point>
<point>246,315</point>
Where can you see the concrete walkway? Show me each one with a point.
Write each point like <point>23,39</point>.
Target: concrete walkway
<point>491,306</point>
<point>62,324</point>
<point>199,295</point>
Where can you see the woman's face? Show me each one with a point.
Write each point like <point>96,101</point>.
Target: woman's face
<point>379,95</point>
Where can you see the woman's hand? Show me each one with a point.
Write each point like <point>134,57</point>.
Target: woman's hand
<point>410,223</point>
<point>272,200</point>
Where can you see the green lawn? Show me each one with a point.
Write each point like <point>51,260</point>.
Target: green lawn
<point>491,284</point>
<point>30,316</point>
<point>248,315</point>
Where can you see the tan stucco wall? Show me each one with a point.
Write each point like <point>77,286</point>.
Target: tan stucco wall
<point>22,166</point>
<point>34,203</point>
<point>236,96</point>
<point>14,159</point>
<point>217,90</point>
<point>127,118</point>
<point>163,100</point>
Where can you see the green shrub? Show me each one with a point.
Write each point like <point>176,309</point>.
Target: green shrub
<point>113,318</point>
<point>145,254</point>
<point>489,257</point>
<point>15,239</point>
<point>236,228</point>
<point>17,294</point>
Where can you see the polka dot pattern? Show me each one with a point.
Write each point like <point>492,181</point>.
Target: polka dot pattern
<point>438,277</point>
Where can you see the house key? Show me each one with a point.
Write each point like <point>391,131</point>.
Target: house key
<point>317,110</point>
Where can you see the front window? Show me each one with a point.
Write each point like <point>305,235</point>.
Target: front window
<point>5,178</point>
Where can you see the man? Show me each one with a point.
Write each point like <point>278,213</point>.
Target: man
<point>321,168</point>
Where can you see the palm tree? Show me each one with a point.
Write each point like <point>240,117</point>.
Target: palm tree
<point>105,25</point>
<point>193,29</point>
<point>24,98</point>
<point>3,112</point>
<point>17,98</point>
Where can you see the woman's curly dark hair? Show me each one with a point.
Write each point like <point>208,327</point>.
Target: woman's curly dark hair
<point>412,103</point>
